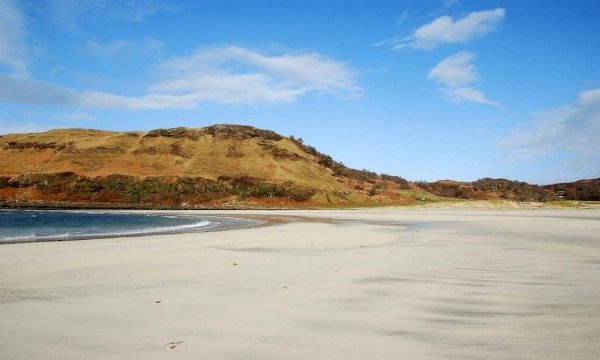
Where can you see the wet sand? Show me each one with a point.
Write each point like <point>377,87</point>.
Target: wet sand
<point>362,284</point>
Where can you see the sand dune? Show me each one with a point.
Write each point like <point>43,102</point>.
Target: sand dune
<point>364,284</point>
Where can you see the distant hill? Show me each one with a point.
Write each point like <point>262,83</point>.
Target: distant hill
<point>587,190</point>
<point>493,189</point>
<point>219,166</point>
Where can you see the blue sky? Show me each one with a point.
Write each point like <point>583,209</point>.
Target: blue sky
<point>422,89</point>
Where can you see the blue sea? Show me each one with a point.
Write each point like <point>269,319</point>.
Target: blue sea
<point>46,225</point>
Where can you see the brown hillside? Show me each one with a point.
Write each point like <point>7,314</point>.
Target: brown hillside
<point>212,166</point>
<point>588,190</point>
<point>488,189</point>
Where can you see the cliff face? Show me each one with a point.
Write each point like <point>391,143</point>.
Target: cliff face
<point>220,165</point>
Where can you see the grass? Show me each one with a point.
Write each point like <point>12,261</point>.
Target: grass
<point>421,195</point>
<point>570,204</point>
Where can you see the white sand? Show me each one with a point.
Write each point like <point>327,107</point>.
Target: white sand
<point>448,284</point>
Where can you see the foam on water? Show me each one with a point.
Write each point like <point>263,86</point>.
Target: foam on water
<point>36,225</point>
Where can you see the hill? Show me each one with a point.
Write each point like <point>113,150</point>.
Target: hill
<point>587,190</point>
<point>219,166</point>
<point>495,189</point>
<point>215,166</point>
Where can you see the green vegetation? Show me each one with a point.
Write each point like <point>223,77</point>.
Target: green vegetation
<point>125,189</point>
<point>341,170</point>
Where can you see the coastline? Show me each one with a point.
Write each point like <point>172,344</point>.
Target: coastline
<point>217,223</point>
<point>385,283</point>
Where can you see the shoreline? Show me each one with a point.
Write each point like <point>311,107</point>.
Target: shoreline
<point>498,204</point>
<point>217,223</point>
<point>229,219</point>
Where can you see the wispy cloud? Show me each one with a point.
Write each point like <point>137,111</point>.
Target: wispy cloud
<point>225,75</point>
<point>71,14</point>
<point>445,29</point>
<point>125,48</point>
<point>456,73</point>
<point>468,94</point>
<point>574,128</point>
<point>237,75</point>
<point>13,51</point>
<point>446,4</point>
<point>402,17</point>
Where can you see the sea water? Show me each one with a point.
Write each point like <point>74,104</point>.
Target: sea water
<point>44,225</point>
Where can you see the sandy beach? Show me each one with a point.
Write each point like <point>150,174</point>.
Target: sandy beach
<point>354,284</point>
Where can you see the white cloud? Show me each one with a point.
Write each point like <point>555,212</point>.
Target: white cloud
<point>235,74</point>
<point>468,94</point>
<point>124,48</point>
<point>456,73</point>
<point>573,128</point>
<point>455,70</point>
<point>13,52</point>
<point>227,75</point>
<point>445,29</point>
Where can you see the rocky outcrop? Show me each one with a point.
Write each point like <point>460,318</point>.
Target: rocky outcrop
<point>177,133</point>
<point>17,145</point>
<point>238,132</point>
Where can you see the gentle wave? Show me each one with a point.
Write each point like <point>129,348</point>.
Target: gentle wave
<point>204,224</point>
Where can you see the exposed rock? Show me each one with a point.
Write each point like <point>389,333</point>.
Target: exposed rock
<point>177,150</point>
<point>179,132</point>
<point>280,153</point>
<point>232,152</point>
<point>102,150</point>
<point>17,145</point>
<point>239,132</point>
<point>151,151</point>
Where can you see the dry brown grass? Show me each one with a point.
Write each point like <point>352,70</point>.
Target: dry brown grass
<point>221,151</point>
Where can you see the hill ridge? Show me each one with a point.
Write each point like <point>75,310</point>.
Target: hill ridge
<point>217,166</point>
<point>180,166</point>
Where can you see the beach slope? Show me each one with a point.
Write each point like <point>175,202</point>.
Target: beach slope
<point>364,284</point>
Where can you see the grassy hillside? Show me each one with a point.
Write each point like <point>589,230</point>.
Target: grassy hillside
<point>220,165</point>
